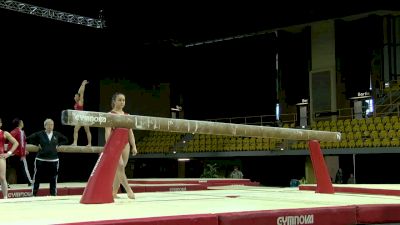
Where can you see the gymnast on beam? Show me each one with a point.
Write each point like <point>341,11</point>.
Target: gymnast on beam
<point>79,106</point>
<point>118,104</point>
<point>4,135</point>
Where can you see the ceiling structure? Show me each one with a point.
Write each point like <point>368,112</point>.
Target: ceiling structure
<point>182,23</point>
<point>138,34</point>
<point>44,47</point>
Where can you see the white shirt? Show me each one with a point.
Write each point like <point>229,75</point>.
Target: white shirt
<point>49,135</point>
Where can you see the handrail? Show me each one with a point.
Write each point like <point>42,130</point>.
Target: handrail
<point>262,120</point>
<point>269,120</point>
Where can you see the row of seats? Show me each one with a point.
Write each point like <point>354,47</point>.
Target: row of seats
<point>356,133</point>
<point>360,143</point>
<point>370,132</point>
<point>166,143</point>
<point>352,122</point>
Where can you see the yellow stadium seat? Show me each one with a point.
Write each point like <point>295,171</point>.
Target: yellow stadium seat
<point>272,143</point>
<point>385,142</point>
<point>356,128</point>
<point>376,143</point>
<point>340,128</point>
<point>335,144</point>
<point>327,123</point>
<point>347,122</point>
<point>313,126</point>
<point>354,122</point>
<point>374,134</point>
<point>348,128</point>
<point>371,127</point>
<point>386,119</point>
<point>379,126</point>
<point>343,143</point>
<point>361,121</point>
<point>377,120</point>
<point>351,144</point>
<point>339,123</point>
<point>328,145</point>
<point>333,123</point>
<point>396,125</point>
<point>344,136</point>
<point>369,120</point>
<point>357,135</point>
<point>359,143</point>
<point>320,124</point>
<point>301,145</point>
<point>366,134</point>
<point>367,142</point>
<point>363,127</point>
<point>395,142</point>
<point>391,134</point>
<point>388,126</point>
<point>394,119</point>
<point>382,134</point>
<point>350,136</point>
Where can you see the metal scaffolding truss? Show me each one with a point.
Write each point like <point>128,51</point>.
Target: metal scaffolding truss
<point>52,14</point>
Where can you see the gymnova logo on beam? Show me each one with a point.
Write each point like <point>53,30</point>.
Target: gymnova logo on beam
<point>90,119</point>
<point>295,220</point>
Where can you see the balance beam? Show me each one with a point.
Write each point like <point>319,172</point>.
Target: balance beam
<point>101,119</point>
<point>69,149</point>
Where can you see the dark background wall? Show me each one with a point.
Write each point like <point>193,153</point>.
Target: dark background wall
<point>224,79</point>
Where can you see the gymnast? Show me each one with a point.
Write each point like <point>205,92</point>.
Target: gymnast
<point>4,135</point>
<point>118,104</point>
<point>79,106</point>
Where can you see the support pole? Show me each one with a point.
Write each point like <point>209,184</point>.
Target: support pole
<point>99,187</point>
<point>324,183</point>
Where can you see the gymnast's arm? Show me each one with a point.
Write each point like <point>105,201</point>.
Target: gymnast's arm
<point>132,142</point>
<point>107,133</point>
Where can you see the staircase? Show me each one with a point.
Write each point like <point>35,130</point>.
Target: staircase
<point>388,103</point>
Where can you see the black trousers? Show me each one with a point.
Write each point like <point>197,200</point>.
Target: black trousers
<point>22,169</point>
<point>45,171</point>
<point>25,170</point>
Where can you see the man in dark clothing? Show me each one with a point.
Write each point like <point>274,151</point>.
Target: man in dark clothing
<point>46,161</point>
<point>339,176</point>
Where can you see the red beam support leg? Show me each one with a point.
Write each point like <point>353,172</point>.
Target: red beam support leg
<point>99,187</point>
<point>324,183</point>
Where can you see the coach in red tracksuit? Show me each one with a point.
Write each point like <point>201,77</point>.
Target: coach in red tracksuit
<point>19,135</point>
